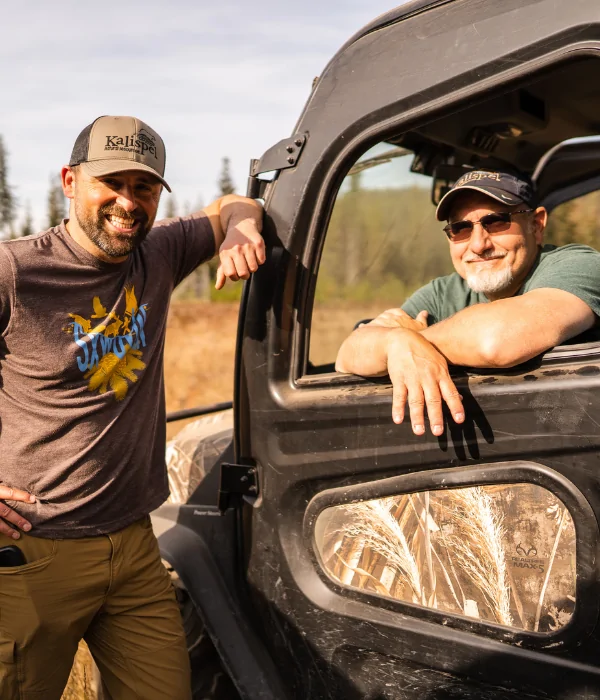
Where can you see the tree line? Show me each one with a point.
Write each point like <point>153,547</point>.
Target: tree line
<point>383,244</point>
<point>16,220</point>
<point>9,204</point>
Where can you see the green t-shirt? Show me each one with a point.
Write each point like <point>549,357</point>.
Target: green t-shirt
<point>574,268</point>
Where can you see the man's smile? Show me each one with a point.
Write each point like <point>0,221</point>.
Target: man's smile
<point>491,258</point>
<point>121,224</point>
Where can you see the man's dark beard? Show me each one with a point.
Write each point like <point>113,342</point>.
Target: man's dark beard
<point>112,243</point>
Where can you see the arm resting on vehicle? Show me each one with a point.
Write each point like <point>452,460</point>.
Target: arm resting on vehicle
<point>229,211</point>
<point>507,332</point>
<point>502,333</point>
<point>364,352</point>
<point>236,223</point>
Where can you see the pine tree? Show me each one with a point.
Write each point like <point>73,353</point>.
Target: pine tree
<point>225,182</point>
<point>202,275</point>
<point>56,202</point>
<point>171,207</point>
<point>7,198</point>
<point>189,208</point>
<point>354,231</point>
<point>27,225</point>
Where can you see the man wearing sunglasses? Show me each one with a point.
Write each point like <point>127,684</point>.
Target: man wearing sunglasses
<point>509,300</point>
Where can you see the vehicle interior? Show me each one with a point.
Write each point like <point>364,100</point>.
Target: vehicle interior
<point>517,127</point>
<point>383,221</point>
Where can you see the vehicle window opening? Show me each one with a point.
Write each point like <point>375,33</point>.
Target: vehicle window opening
<point>383,242</point>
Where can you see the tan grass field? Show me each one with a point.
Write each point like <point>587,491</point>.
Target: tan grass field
<point>83,681</point>
<point>200,348</point>
<point>199,357</point>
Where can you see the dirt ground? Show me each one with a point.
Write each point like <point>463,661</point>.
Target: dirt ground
<point>84,681</point>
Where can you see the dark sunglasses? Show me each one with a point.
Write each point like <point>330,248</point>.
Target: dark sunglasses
<point>497,222</point>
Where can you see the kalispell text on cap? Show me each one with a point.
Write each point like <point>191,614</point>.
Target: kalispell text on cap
<point>115,144</point>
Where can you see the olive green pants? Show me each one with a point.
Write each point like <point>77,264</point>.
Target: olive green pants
<point>112,591</point>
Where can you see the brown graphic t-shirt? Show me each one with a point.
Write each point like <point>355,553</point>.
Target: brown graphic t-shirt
<point>82,408</point>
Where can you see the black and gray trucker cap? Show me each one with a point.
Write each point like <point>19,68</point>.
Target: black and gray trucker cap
<point>503,187</point>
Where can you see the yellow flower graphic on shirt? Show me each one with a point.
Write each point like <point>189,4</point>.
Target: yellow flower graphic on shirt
<point>111,350</point>
<point>115,371</point>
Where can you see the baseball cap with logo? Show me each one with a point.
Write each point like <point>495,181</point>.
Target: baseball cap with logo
<point>503,187</point>
<point>114,144</point>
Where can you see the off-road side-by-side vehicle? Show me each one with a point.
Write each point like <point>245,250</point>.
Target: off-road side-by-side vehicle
<point>320,550</point>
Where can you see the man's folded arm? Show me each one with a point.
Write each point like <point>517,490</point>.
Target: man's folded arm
<point>364,352</point>
<point>507,332</point>
<point>501,333</point>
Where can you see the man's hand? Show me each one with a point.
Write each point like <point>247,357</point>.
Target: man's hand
<point>397,318</point>
<point>419,374</point>
<point>243,249</point>
<point>236,222</point>
<point>8,515</point>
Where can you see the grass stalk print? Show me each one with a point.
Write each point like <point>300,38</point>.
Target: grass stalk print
<point>450,550</point>
<point>477,546</point>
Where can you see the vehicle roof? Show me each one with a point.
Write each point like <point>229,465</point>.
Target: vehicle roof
<point>408,9</point>
<point>461,44</point>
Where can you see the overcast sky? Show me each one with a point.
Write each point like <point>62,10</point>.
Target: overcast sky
<point>220,78</point>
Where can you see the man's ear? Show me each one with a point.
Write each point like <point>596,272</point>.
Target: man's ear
<point>67,176</point>
<point>540,220</point>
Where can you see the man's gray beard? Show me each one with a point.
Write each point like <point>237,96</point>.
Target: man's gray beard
<point>490,281</point>
<point>112,244</point>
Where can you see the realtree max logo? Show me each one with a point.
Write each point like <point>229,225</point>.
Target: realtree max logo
<point>140,143</point>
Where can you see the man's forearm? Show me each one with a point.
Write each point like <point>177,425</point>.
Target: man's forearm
<point>213,213</point>
<point>507,332</point>
<point>467,338</point>
<point>228,211</point>
<point>237,224</point>
<point>502,333</point>
<point>470,338</point>
<point>364,352</point>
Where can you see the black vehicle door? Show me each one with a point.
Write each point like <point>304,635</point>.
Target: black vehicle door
<point>380,564</point>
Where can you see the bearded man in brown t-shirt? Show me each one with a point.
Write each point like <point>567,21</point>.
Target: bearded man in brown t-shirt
<point>83,310</point>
